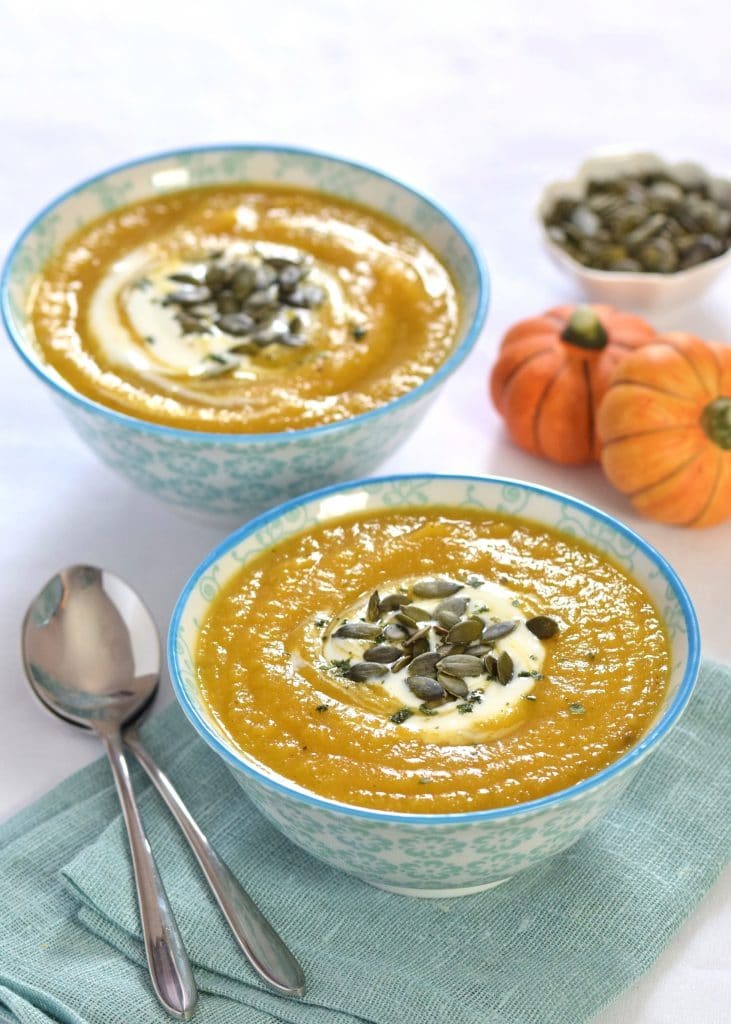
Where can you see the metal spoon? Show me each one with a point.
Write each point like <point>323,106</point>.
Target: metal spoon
<point>264,949</point>
<point>92,655</point>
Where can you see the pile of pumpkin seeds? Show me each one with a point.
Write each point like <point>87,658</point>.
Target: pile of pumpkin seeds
<point>257,301</point>
<point>441,649</point>
<point>651,223</point>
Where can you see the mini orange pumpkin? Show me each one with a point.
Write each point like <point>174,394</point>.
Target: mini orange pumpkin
<point>553,370</point>
<point>665,427</point>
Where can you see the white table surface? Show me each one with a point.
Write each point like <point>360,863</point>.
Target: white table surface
<point>478,104</point>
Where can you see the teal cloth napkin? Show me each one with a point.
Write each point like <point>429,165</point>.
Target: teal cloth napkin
<point>552,946</point>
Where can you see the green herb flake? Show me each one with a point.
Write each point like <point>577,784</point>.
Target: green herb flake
<point>401,715</point>
<point>341,665</point>
<point>465,709</point>
<point>322,707</point>
<point>216,358</point>
<point>359,332</point>
<point>426,710</point>
<point>321,623</point>
<point>149,339</point>
<point>577,708</point>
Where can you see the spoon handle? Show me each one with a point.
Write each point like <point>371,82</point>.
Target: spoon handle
<point>261,945</point>
<point>170,970</point>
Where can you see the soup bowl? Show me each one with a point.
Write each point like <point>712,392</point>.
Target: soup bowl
<point>448,853</point>
<point>231,475</point>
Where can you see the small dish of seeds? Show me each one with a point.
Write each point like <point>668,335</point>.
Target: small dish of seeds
<point>638,232</point>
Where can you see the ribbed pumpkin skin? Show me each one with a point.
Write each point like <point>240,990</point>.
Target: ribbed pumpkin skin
<point>655,447</point>
<point>548,389</point>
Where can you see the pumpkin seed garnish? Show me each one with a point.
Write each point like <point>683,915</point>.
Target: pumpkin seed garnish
<point>357,631</point>
<point>416,613</point>
<point>365,672</point>
<point>374,605</point>
<point>401,663</point>
<point>392,602</point>
<point>424,664</point>
<point>383,654</point>
<point>436,587</point>
<point>457,687</point>
<point>461,665</point>
<point>424,687</point>
<point>542,626</point>
<point>505,668</point>
<point>498,630</point>
<point>453,605</point>
<point>401,715</point>
<point>465,632</point>
<point>395,632</point>
<point>490,663</point>
<point>447,619</point>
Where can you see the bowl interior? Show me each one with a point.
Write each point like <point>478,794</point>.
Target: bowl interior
<point>550,508</point>
<point>232,164</point>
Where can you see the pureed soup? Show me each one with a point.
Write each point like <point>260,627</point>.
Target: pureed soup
<point>244,309</point>
<point>432,661</point>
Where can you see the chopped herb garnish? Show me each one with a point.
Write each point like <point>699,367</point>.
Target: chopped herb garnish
<point>401,715</point>
<point>341,665</point>
<point>321,623</point>
<point>141,283</point>
<point>533,674</point>
<point>322,707</point>
<point>426,710</point>
<point>216,358</point>
<point>359,332</point>
<point>465,709</point>
<point>577,708</point>
<point>149,339</point>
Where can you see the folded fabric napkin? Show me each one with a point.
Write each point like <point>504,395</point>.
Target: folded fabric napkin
<point>552,946</point>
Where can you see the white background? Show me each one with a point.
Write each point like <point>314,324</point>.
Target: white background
<point>479,105</point>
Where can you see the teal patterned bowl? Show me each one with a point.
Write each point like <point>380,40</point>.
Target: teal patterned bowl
<point>233,475</point>
<point>439,854</point>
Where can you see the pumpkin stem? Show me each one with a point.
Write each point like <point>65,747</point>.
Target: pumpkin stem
<point>716,421</point>
<point>585,329</point>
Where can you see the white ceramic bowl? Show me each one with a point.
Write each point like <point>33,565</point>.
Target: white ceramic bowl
<point>630,290</point>
<point>438,854</point>
<point>231,476</point>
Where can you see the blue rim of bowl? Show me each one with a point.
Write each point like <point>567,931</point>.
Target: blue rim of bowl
<point>653,737</point>
<point>201,436</point>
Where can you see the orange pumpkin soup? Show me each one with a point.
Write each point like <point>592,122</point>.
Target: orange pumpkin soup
<point>244,309</point>
<point>432,661</point>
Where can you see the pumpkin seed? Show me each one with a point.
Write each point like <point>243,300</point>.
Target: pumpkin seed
<point>455,606</point>
<point>217,276</point>
<point>416,613</point>
<point>447,619</point>
<point>419,645</point>
<point>490,663</point>
<point>383,654</point>
<point>424,664</point>
<point>465,632</point>
<point>392,602</point>
<point>424,687</point>
<point>357,631</point>
<point>262,297</point>
<point>402,662</point>
<point>505,668</point>
<point>289,277</point>
<point>236,324</point>
<point>461,665</point>
<point>188,295</point>
<point>542,626</point>
<point>265,278</point>
<point>374,607</point>
<point>436,587</point>
<point>365,672</point>
<point>194,275</point>
<point>454,685</point>
<point>243,281</point>
<point>497,630</point>
<point>406,620</point>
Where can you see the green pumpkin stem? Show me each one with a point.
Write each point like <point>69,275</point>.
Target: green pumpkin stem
<point>585,329</point>
<point>716,421</point>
